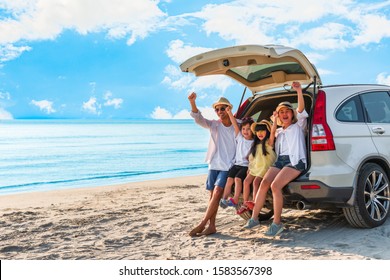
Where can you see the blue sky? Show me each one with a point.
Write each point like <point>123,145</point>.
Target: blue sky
<point>119,59</point>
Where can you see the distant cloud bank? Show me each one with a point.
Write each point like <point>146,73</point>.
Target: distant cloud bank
<point>163,114</point>
<point>5,115</point>
<point>44,105</point>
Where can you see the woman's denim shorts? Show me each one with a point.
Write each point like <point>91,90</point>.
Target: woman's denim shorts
<point>283,161</point>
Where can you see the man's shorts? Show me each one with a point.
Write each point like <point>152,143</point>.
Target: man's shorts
<point>216,178</point>
<point>238,171</point>
<point>283,161</point>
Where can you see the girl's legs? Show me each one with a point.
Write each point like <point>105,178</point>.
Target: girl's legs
<point>237,189</point>
<point>285,176</point>
<point>256,184</point>
<point>247,186</point>
<point>262,193</point>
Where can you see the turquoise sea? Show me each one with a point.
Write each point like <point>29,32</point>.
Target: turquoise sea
<point>40,155</point>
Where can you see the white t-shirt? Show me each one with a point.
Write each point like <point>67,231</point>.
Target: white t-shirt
<point>242,151</point>
<point>224,155</point>
<point>283,145</point>
<point>295,138</point>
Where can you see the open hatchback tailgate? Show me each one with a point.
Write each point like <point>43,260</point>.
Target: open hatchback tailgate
<point>257,67</point>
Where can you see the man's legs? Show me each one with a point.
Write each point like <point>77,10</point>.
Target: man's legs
<point>210,215</point>
<point>211,212</point>
<point>215,183</point>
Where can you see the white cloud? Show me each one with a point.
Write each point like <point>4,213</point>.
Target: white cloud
<point>383,79</point>
<point>5,95</point>
<point>323,72</point>
<point>46,19</point>
<point>188,82</point>
<point>182,115</point>
<point>219,82</point>
<point>372,29</point>
<point>325,37</point>
<point>10,52</point>
<point>178,51</point>
<point>178,80</point>
<point>5,115</point>
<point>116,102</point>
<point>93,87</point>
<point>321,25</point>
<point>162,113</point>
<point>44,105</point>
<point>92,106</point>
<point>315,57</point>
<point>324,24</point>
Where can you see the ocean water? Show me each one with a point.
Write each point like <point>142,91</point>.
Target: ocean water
<point>39,155</point>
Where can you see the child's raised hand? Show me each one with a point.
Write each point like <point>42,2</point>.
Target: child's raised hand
<point>296,85</point>
<point>192,96</point>
<point>274,117</point>
<point>228,110</point>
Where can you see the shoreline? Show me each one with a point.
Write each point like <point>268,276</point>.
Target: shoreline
<point>150,220</point>
<point>34,198</point>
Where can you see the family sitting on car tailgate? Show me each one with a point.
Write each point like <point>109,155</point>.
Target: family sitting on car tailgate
<point>260,154</point>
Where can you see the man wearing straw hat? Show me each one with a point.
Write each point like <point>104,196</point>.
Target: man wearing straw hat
<point>220,157</point>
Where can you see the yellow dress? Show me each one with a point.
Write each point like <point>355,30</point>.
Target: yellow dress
<point>259,164</point>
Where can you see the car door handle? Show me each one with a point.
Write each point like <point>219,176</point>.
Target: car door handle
<point>378,130</point>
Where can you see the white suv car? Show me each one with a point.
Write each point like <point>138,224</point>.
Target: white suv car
<point>348,135</point>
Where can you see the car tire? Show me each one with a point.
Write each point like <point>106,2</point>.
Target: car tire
<point>372,198</point>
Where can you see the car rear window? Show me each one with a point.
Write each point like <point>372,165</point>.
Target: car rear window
<point>350,111</point>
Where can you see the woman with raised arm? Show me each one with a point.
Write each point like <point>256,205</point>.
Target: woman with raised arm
<point>290,149</point>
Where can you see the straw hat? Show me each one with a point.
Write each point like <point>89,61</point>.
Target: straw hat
<point>256,126</point>
<point>222,101</point>
<point>288,105</point>
<point>284,104</point>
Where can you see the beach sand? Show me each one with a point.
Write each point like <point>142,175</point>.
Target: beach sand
<point>151,220</point>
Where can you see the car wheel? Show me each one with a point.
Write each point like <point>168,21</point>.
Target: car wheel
<point>372,198</point>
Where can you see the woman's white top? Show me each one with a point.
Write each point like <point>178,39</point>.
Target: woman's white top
<point>291,141</point>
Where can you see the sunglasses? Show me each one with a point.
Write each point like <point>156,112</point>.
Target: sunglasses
<point>222,109</point>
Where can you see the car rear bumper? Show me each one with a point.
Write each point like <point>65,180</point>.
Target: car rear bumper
<point>316,192</point>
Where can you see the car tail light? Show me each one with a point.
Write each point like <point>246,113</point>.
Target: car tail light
<point>321,137</point>
<point>310,187</point>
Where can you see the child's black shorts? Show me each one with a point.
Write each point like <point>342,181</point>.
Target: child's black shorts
<point>237,171</point>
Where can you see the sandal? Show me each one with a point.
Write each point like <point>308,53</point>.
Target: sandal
<point>242,209</point>
<point>250,204</point>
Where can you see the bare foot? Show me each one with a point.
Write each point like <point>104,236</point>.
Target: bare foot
<point>196,230</point>
<point>208,231</point>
